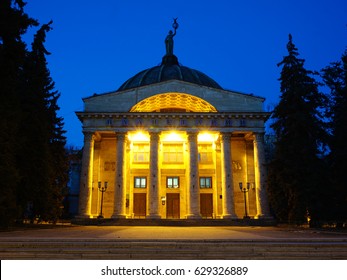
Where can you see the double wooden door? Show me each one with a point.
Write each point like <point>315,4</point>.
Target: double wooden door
<point>172,205</point>
<point>139,205</point>
<point>206,205</point>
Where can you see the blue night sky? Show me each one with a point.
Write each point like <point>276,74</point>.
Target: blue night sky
<point>97,45</point>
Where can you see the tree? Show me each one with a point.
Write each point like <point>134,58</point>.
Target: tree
<point>43,137</point>
<point>335,77</point>
<point>296,172</point>
<point>13,24</point>
<point>33,160</point>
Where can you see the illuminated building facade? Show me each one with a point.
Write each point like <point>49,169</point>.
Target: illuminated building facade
<point>173,144</point>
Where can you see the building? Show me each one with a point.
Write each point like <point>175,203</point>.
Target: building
<point>171,143</point>
<point>73,186</point>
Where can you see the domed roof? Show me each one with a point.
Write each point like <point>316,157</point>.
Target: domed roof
<point>169,69</point>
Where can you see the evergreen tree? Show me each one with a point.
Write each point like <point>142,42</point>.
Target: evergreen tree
<point>296,172</point>
<point>13,24</point>
<point>33,161</point>
<point>45,174</point>
<point>335,77</point>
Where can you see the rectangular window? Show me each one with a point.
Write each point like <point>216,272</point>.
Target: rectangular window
<point>205,182</point>
<point>140,182</point>
<point>172,182</point>
<point>140,153</point>
<point>205,153</point>
<point>173,153</point>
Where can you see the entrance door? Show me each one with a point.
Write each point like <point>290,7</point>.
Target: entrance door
<point>206,205</point>
<point>172,205</point>
<point>139,205</point>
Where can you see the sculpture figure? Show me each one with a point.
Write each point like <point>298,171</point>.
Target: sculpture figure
<point>169,38</point>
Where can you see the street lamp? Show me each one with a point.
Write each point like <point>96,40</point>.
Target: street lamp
<point>102,189</point>
<point>245,190</point>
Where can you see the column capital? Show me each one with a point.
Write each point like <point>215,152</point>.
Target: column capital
<point>192,136</point>
<point>154,136</point>
<point>88,136</point>
<point>225,136</point>
<point>258,137</point>
<point>121,136</point>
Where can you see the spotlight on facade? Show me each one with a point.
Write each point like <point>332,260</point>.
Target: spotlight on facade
<point>173,137</point>
<point>206,137</point>
<point>139,136</point>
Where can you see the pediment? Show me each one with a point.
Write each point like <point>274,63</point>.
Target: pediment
<point>221,100</point>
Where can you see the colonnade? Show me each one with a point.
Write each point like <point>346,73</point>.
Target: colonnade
<point>193,205</point>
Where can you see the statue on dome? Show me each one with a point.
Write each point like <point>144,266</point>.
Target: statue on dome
<point>169,38</point>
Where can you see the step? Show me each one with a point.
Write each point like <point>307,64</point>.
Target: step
<point>173,222</point>
<point>155,249</point>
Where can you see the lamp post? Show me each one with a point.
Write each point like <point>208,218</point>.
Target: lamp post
<point>102,189</point>
<point>245,190</point>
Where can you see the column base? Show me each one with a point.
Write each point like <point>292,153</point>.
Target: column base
<point>153,216</point>
<point>118,216</point>
<point>229,217</point>
<point>83,216</point>
<point>263,217</point>
<point>193,216</point>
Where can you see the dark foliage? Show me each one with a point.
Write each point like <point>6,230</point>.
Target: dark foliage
<point>13,24</point>
<point>33,164</point>
<point>296,171</point>
<point>335,77</point>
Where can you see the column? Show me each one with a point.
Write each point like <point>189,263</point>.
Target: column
<point>227,178</point>
<point>263,210</point>
<point>120,186</point>
<point>193,195</point>
<point>153,186</point>
<point>86,181</point>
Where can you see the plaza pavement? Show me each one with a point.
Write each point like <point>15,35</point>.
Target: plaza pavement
<point>172,233</point>
<point>172,242</point>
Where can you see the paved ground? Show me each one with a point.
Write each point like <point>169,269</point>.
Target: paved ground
<point>171,242</point>
<point>172,233</point>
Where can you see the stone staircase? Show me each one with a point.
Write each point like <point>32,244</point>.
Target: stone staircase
<point>107,249</point>
<point>174,222</point>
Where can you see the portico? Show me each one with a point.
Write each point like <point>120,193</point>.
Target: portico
<point>173,165</point>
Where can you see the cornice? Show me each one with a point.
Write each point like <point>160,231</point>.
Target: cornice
<point>156,115</point>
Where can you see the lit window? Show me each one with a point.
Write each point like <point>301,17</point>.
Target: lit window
<point>141,153</point>
<point>173,153</point>
<point>205,182</point>
<point>172,182</point>
<point>140,182</point>
<point>205,153</point>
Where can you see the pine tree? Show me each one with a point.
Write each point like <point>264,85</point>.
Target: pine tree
<point>45,175</point>
<point>296,172</point>
<point>33,161</point>
<point>335,77</point>
<point>13,24</point>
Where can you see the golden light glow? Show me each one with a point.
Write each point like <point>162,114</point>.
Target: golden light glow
<point>138,136</point>
<point>174,100</point>
<point>207,137</point>
<point>173,136</point>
